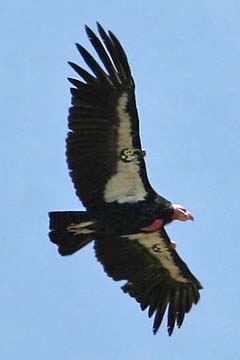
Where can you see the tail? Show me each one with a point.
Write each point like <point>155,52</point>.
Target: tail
<point>71,230</point>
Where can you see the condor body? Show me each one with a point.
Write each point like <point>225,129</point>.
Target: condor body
<point>124,215</point>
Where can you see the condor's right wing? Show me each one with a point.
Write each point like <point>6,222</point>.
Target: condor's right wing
<point>104,151</point>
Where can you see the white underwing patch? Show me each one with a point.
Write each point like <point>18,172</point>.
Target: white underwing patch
<point>126,185</point>
<point>153,240</point>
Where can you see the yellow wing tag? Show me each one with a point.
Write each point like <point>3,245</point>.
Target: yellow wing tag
<point>128,155</point>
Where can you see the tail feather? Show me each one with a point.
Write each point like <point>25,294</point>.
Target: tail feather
<point>71,230</point>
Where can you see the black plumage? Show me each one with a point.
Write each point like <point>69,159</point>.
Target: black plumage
<point>107,167</point>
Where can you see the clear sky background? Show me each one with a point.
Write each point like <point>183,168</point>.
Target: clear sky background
<point>185,58</point>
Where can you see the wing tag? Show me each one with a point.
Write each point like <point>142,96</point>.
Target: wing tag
<point>128,155</point>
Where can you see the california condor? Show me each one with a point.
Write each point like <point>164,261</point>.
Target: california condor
<point>124,215</point>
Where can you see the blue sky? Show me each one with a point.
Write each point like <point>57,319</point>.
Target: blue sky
<point>184,57</point>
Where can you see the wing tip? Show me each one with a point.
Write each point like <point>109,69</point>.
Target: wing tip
<point>89,31</point>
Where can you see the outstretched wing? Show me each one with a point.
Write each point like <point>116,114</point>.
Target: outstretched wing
<point>104,152</point>
<point>156,276</point>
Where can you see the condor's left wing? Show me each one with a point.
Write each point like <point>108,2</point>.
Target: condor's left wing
<point>156,276</point>
<point>104,151</point>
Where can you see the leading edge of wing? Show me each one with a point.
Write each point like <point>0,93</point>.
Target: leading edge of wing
<point>156,276</point>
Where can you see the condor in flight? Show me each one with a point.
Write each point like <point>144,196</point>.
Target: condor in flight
<point>124,215</point>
